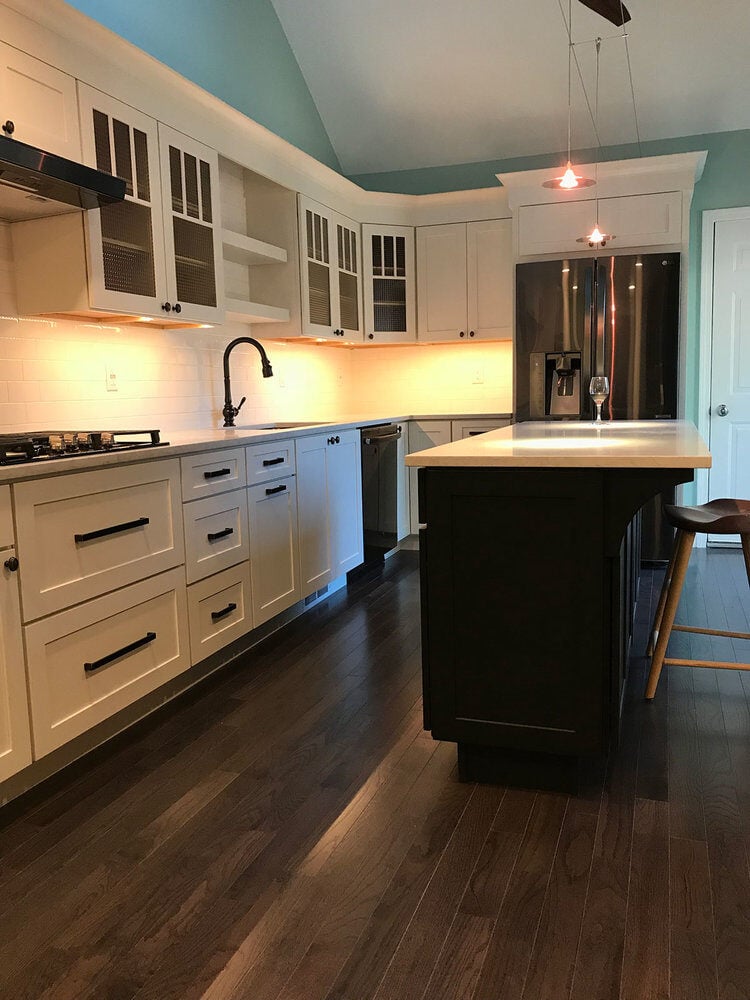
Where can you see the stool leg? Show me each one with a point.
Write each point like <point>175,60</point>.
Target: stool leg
<point>745,539</point>
<point>662,601</point>
<point>683,547</point>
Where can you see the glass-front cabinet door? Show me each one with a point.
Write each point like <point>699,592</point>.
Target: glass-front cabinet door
<point>189,174</point>
<point>125,241</point>
<point>330,273</point>
<point>389,287</point>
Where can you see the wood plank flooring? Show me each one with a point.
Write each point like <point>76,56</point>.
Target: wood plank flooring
<point>289,832</point>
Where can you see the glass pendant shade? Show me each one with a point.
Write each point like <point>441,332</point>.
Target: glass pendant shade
<point>596,238</point>
<point>569,180</point>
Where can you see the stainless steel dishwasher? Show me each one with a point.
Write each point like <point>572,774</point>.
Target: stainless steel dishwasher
<point>380,489</point>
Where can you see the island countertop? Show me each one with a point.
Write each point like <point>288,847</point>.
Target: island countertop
<point>617,444</point>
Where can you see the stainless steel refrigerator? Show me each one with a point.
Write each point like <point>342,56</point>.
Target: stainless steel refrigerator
<point>614,315</point>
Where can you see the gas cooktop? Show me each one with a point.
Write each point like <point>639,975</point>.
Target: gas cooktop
<point>37,446</point>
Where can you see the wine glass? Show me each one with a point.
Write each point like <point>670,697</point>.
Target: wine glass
<point>599,390</point>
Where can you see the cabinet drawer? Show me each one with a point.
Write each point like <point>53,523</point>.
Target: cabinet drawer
<point>212,472</point>
<point>215,534</point>
<point>461,429</point>
<point>89,662</point>
<point>91,532</point>
<point>270,461</point>
<point>219,611</point>
<point>6,519</point>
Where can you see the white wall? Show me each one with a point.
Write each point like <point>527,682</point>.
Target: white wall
<point>53,375</point>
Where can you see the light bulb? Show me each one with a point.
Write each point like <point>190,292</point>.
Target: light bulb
<point>596,236</point>
<point>569,179</point>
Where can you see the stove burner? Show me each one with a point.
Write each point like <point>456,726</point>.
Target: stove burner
<point>35,446</point>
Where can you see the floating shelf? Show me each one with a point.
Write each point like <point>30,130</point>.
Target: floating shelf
<point>240,311</point>
<point>250,252</point>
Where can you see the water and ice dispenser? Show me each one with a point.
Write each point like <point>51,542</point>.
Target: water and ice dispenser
<point>555,384</point>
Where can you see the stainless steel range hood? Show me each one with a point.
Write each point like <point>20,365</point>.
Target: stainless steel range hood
<point>35,184</point>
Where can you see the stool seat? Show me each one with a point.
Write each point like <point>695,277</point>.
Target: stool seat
<point>719,517</point>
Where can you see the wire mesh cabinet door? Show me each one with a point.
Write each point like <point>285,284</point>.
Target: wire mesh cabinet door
<point>389,284</point>
<point>125,241</point>
<point>190,185</point>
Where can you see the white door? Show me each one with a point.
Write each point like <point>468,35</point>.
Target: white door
<point>730,363</point>
<point>194,262</point>
<point>273,548</point>
<point>312,513</point>
<point>349,263</point>
<point>15,734</point>
<point>489,247</point>
<point>125,241</point>
<point>441,282</point>
<point>318,275</point>
<point>38,104</point>
<point>344,468</point>
<point>389,285</point>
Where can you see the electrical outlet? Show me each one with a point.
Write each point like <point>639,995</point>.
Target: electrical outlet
<point>111,379</point>
<point>281,381</point>
<point>477,377</point>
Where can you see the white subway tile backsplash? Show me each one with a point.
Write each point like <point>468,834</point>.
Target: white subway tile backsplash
<point>53,374</point>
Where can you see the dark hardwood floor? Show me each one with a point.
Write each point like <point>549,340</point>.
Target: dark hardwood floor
<point>288,832</point>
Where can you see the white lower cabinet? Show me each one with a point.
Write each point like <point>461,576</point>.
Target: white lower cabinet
<point>219,611</point>
<point>15,736</point>
<point>86,533</point>
<point>274,570</point>
<point>329,484</point>
<point>88,662</point>
<point>215,534</point>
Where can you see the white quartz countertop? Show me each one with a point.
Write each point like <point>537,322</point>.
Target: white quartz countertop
<point>621,444</point>
<point>186,441</point>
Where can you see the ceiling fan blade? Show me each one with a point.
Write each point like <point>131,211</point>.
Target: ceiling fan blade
<point>613,10</point>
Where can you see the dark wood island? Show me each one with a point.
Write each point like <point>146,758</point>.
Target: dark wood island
<point>529,568</point>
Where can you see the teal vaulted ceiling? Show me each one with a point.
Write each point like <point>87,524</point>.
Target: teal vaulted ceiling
<point>235,49</point>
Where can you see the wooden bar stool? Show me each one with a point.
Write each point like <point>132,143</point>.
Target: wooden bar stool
<point>719,517</point>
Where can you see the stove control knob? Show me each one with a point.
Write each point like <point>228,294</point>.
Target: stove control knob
<point>84,440</point>
<point>108,439</point>
<point>70,441</point>
<point>56,442</point>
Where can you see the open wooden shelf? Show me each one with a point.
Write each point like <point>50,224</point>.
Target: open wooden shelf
<point>249,251</point>
<point>240,311</point>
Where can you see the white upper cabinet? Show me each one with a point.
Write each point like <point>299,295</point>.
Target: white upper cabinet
<point>38,104</point>
<point>126,240</point>
<point>189,178</point>
<point>389,284</point>
<point>330,263</point>
<point>642,220</point>
<point>157,252</point>
<point>464,281</point>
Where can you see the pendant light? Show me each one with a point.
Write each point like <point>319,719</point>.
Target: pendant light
<point>596,239</point>
<point>569,180</point>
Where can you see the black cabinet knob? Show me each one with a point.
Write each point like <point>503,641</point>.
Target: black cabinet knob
<point>338,439</point>
<point>11,564</point>
<point>371,336</point>
<point>471,333</point>
<point>167,307</point>
<point>9,127</point>
<point>462,334</point>
<point>178,308</point>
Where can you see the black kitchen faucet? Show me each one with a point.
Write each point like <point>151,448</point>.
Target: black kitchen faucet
<point>230,411</point>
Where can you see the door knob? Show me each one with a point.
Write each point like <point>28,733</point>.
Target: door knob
<point>722,410</point>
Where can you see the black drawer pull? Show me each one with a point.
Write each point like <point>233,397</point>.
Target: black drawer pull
<point>148,637</point>
<point>272,461</point>
<point>213,535</point>
<point>217,472</point>
<point>275,489</point>
<point>112,530</point>
<point>216,615</point>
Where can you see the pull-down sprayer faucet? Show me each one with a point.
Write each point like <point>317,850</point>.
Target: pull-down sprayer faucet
<point>230,411</point>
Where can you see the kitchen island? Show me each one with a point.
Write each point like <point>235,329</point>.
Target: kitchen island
<point>529,572</point>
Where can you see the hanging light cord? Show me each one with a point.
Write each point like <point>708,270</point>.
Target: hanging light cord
<point>572,50</point>
<point>630,75</point>
<point>599,148</point>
